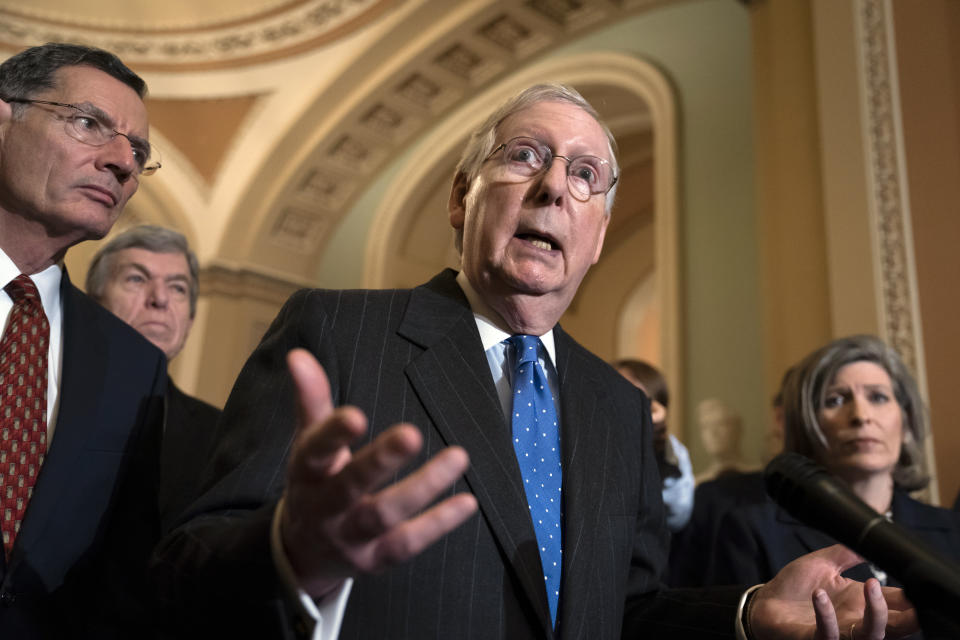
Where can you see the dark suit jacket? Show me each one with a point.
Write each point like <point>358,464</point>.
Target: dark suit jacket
<point>187,444</point>
<point>77,562</point>
<point>692,548</point>
<point>756,541</point>
<point>416,356</point>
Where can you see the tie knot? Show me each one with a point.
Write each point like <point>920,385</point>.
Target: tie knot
<point>526,347</point>
<point>22,288</point>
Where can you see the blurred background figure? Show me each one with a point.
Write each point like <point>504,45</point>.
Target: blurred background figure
<point>673,459</point>
<point>691,549</point>
<point>853,407</point>
<point>721,430</point>
<point>148,277</point>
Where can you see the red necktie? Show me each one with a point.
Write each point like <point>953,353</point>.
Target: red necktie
<point>23,403</point>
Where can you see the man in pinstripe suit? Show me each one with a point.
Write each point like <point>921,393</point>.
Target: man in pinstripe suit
<point>384,538</point>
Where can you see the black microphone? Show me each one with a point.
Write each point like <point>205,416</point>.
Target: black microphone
<point>816,498</point>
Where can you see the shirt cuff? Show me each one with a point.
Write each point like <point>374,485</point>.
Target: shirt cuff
<point>741,630</point>
<point>325,615</point>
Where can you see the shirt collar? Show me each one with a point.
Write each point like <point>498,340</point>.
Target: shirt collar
<point>491,326</point>
<point>47,281</point>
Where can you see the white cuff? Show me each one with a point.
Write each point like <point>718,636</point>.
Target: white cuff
<point>740,630</point>
<point>327,614</point>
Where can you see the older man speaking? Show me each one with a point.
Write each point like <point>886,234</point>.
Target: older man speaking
<point>569,539</point>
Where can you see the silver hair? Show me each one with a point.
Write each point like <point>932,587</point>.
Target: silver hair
<point>150,238</point>
<point>483,139</point>
<point>804,392</point>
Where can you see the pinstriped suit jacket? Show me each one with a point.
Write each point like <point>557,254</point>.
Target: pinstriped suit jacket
<point>415,355</point>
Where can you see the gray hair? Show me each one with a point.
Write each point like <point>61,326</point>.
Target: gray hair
<point>33,70</point>
<point>148,237</point>
<point>483,139</point>
<point>805,389</point>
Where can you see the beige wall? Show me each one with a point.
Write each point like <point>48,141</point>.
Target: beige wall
<point>790,217</point>
<point>928,53</point>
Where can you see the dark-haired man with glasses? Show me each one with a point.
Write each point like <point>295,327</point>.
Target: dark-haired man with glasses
<point>80,391</point>
<point>553,529</point>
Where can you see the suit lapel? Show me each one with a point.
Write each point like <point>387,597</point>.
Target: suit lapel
<point>452,379</point>
<point>82,367</point>
<point>583,444</point>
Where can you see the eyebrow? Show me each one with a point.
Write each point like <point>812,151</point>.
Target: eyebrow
<point>872,386</point>
<point>108,120</point>
<point>143,269</point>
<point>541,135</point>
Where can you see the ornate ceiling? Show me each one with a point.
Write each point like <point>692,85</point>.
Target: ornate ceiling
<point>184,34</point>
<point>274,116</point>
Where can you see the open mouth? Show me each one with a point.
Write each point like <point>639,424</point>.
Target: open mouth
<point>540,242</point>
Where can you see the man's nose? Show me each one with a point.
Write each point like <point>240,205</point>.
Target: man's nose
<point>158,296</point>
<point>551,187</point>
<point>117,156</point>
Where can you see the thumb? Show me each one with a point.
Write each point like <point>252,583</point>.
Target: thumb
<point>313,388</point>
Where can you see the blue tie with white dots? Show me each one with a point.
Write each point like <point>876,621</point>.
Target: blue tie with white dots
<point>536,441</point>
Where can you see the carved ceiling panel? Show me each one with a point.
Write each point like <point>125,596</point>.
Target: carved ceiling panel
<point>185,34</point>
<point>486,47</point>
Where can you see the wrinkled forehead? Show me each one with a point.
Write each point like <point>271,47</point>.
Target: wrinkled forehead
<point>564,126</point>
<point>90,88</point>
<point>861,372</point>
<point>157,263</point>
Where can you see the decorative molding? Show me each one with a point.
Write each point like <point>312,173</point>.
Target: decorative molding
<point>887,182</point>
<point>299,228</point>
<point>246,284</point>
<point>302,23</point>
<point>889,198</point>
<point>492,43</point>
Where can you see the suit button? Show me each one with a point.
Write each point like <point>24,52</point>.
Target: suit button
<point>7,599</point>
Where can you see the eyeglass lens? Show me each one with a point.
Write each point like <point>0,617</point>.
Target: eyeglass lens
<point>586,174</point>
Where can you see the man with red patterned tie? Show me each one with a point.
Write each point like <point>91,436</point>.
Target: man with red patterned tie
<point>80,391</point>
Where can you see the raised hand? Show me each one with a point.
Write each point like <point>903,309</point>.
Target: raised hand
<point>337,518</point>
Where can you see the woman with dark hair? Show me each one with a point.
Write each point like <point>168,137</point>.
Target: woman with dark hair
<point>673,459</point>
<point>853,407</point>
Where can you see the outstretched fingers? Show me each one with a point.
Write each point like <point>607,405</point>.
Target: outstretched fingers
<point>412,536</point>
<point>826,617</point>
<point>874,613</point>
<point>378,513</point>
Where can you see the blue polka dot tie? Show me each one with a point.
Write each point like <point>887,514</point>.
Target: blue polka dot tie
<point>536,441</point>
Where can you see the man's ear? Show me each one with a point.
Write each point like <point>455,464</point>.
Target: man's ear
<point>458,195</point>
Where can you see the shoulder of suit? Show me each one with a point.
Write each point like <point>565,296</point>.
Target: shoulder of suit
<point>116,329</point>
<point>907,507</point>
<point>194,404</point>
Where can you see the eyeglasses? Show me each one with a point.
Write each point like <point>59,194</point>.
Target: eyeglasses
<point>586,175</point>
<point>91,129</point>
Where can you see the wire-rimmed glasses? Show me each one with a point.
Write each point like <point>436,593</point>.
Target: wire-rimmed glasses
<point>90,128</point>
<point>586,175</point>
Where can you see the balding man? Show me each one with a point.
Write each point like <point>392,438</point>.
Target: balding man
<point>556,528</point>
